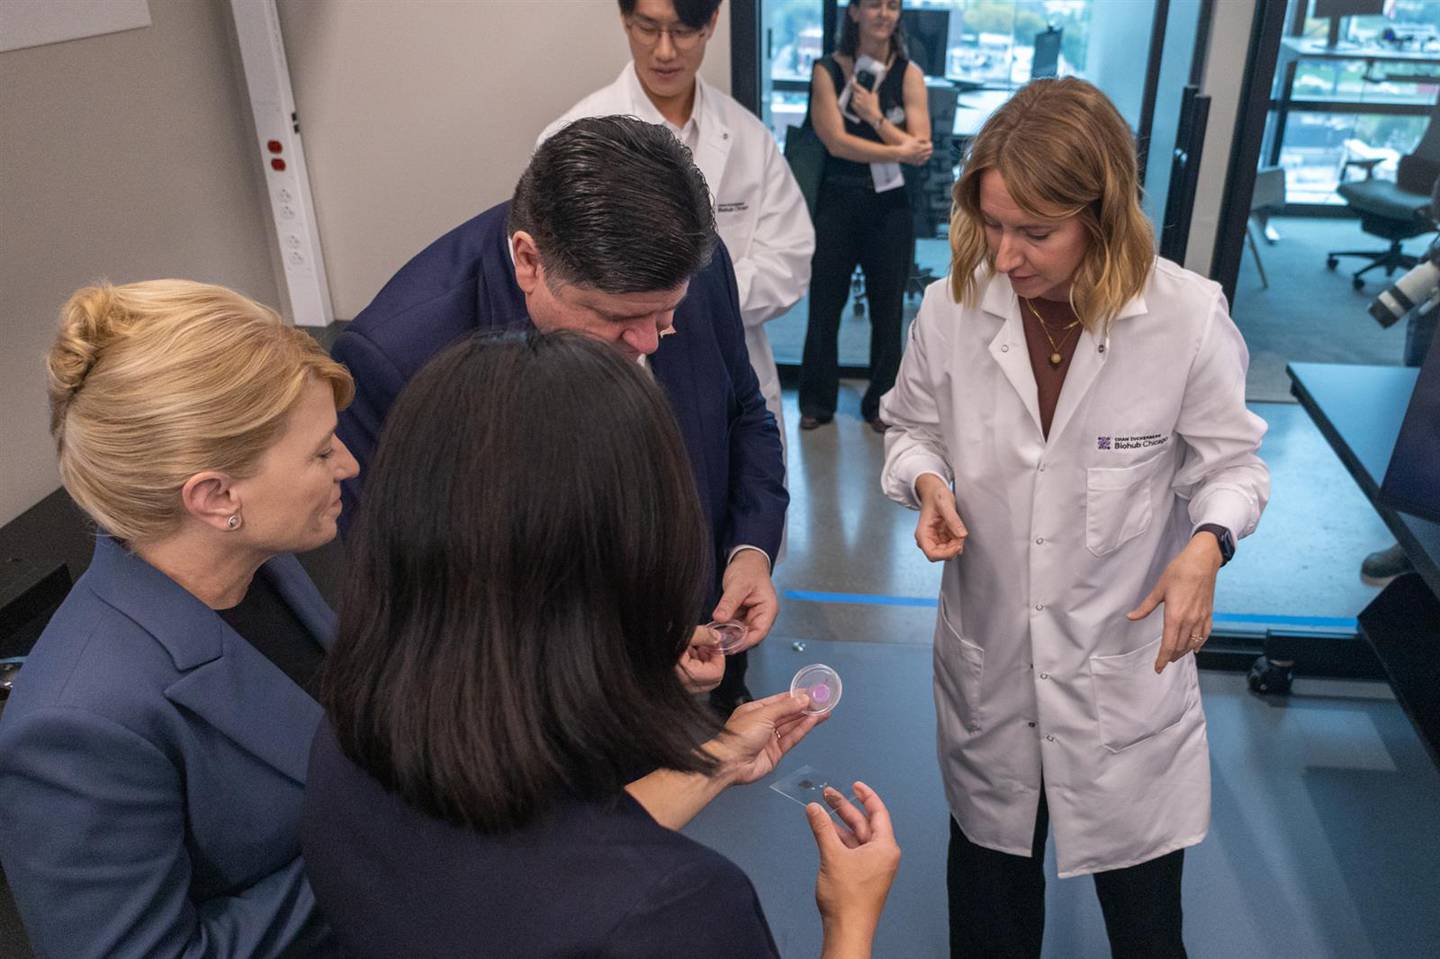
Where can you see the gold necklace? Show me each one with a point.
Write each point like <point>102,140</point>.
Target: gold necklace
<point>1055,358</point>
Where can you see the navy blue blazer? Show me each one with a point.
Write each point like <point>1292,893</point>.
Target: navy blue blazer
<point>599,880</point>
<point>152,771</point>
<point>465,281</point>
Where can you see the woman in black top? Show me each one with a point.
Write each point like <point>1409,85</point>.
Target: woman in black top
<point>862,215</point>
<point>525,569</point>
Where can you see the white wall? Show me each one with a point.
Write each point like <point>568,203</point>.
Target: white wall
<point>125,156</point>
<point>418,115</point>
<point>130,156</point>
<point>1224,75</point>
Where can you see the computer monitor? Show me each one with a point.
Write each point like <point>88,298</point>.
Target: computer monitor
<point>1047,54</point>
<point>1337,9</point>
<point>1412,481</point>
<point>1347,8</point>
<point>927,38</point>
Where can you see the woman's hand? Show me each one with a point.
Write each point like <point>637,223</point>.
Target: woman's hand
<point>856,868</point>
<point>1187,588</point>
<point>758,733</point>
<point>865,104</point>
<point>915,152</point>
<point>939,532</point>
<point>703,665</point>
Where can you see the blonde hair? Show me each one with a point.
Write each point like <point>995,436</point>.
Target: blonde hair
<point>151,383</point>
<point>1063,150</point>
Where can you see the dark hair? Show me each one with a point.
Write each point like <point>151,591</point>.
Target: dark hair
<point>848,42</point>
<point>693,13</point>
<point>526,570</point>
<point>616,204</point>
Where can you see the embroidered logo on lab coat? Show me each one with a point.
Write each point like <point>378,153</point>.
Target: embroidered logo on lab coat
<point>1131,442</point>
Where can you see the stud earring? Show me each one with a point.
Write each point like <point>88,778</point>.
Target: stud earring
<point>233,523</point>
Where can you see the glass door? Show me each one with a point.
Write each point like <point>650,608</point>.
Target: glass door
<point>975,54</point>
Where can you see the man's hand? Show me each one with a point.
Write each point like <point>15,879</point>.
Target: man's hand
<point>758,733</point>
<point>939,532</point>
<point>703,665</point>
<point>1187,588</point>
<point>749,596</point>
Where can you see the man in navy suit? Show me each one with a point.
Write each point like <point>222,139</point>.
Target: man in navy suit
<point>610,233</point>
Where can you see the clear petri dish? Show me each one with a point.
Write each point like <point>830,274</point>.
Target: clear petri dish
<point>729,635</point>
<point>821,683</point>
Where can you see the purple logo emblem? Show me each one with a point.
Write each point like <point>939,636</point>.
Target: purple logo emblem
<point>1102,442</point>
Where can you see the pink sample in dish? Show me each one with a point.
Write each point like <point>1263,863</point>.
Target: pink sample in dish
<point>821,684</point>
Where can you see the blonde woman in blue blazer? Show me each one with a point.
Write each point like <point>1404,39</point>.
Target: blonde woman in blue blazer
<point>153,755</point>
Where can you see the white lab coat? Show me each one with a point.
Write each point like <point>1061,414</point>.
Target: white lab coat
<point>759,210</point>
<point>1036,668</point>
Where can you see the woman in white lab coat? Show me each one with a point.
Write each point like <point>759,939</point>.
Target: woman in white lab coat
<point>1086,401</point>
<point>760,212</point>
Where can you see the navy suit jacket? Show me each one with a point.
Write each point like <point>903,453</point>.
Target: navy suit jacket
<point>599,880</point>
<point>152,771</point>
<point>465,281</point>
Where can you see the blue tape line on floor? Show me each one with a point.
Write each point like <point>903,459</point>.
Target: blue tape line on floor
<point>877,599</point>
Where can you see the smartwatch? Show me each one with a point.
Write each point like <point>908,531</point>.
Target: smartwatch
<point>1223,537</point>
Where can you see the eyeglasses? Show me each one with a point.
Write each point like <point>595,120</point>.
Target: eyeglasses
<point>648,32</point>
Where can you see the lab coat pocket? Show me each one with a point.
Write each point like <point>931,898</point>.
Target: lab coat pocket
<point>1131,702</point>
<point>1118,504</point>
<point>962,665</point>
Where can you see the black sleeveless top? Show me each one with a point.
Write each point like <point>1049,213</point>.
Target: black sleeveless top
<point>841,172</point>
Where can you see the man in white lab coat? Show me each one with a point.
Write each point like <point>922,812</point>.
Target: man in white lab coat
<point>759,210</point>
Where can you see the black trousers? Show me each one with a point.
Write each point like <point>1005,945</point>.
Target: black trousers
<point>854,225</point>
<point>997,901</point>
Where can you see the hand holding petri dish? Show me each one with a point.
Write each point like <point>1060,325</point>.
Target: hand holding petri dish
<point>821,684</point>
<point>729,634</point>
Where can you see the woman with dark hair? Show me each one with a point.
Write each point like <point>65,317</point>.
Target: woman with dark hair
<point>505,666</point>
<point>868,106</point>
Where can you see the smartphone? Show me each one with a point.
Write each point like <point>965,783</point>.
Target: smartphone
<point>865,78</point>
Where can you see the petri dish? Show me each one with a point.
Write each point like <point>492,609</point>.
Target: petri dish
<point>729,635</point>
<point>821,683</point>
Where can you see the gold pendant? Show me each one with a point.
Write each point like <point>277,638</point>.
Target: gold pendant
<point>1055,359</point>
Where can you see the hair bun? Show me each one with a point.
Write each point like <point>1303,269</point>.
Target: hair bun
<point>88,322</point>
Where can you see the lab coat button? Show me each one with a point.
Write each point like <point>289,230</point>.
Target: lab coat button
<point>1005,349</point>
<point>1031,725</point>
<point>1039,607</point>
<point>1039,541</point>
<point>1044,675</point>
<point>1049,739</point>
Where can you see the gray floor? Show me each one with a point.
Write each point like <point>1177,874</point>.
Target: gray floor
<point>1323,824</point>
<point>1309,313</point>
<point>1324,805</point>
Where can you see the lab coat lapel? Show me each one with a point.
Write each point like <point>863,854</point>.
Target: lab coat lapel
<point>1007,347</point>
<point>1091,354</point>
<point>713,150</point>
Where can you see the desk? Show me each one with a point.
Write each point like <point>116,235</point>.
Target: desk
<point>1293,50</point>
<point>1358,410</point>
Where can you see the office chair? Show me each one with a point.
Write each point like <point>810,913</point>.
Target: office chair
<point>1392,211</point>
